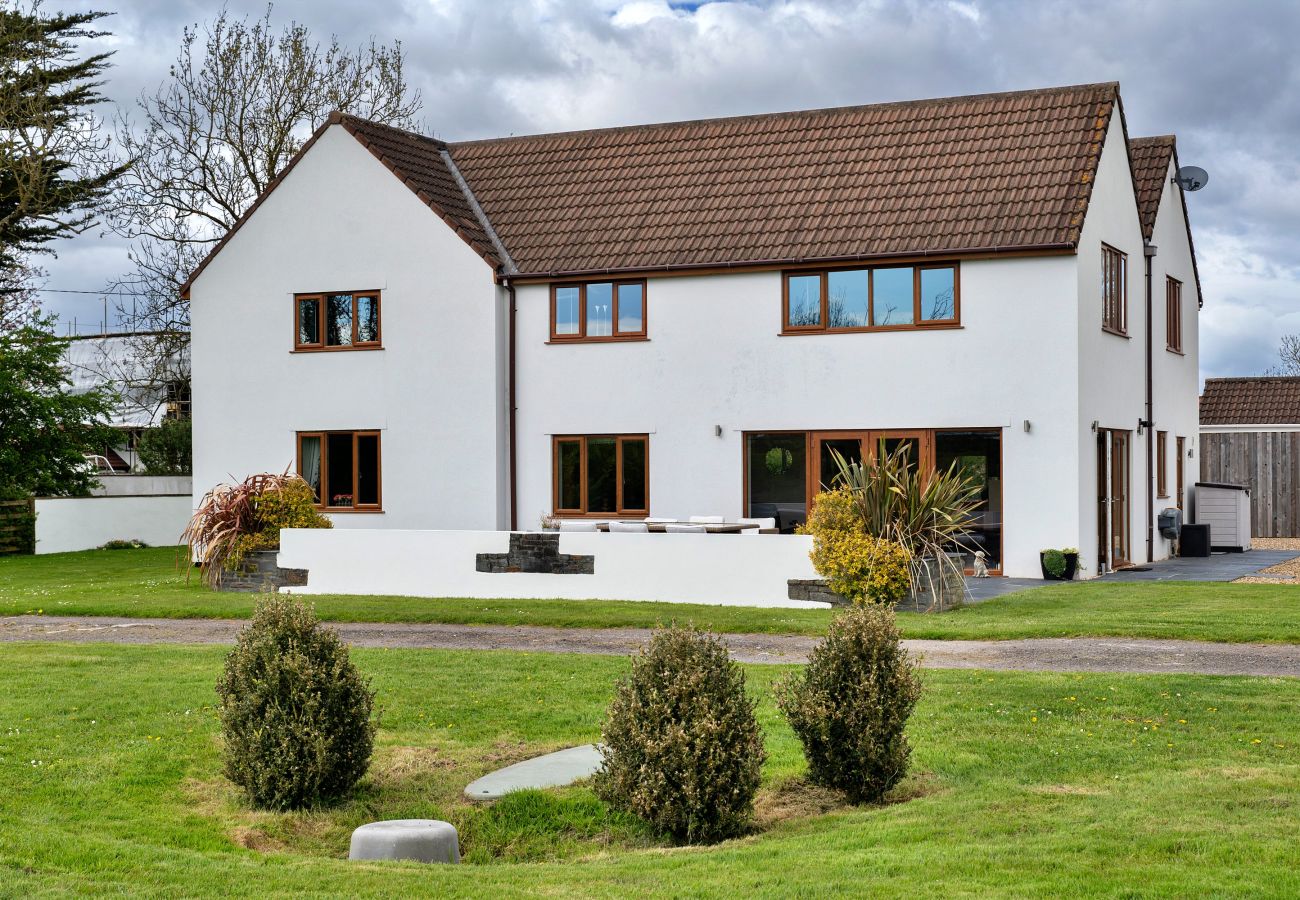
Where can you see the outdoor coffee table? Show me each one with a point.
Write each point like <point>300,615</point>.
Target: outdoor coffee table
<point>709,527</point>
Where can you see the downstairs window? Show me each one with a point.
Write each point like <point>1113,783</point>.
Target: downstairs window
<point>601,475</point>
<point>342,467</point>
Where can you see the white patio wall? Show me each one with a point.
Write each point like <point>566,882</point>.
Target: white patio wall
<point>721,569</point>
<point>83,523</point>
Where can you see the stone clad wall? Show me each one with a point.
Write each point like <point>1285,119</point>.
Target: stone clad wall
<point>260,573</point>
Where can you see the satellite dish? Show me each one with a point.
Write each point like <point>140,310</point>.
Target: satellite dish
<point>1192,178</point>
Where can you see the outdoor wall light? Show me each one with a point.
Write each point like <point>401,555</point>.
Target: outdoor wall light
<point>717,431</point>
<point>1096,423</point>
<point>1028,426</point>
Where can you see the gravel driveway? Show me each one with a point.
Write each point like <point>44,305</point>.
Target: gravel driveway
<point>1034,654</point>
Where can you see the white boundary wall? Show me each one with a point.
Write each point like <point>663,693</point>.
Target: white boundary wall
<point>722,569</point>
<point>83,523</point>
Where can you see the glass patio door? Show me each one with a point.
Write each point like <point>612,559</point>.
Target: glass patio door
<point>856,446</point>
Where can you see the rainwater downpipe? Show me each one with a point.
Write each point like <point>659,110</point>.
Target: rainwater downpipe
<point>1148,253</point>
<point>510,390</point>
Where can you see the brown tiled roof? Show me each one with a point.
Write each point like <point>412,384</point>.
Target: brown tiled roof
<point>1264,400</point>
<point>991,172</point>
<point>1150,157</point>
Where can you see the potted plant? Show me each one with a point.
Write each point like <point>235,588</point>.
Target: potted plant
<point>1059,565</point>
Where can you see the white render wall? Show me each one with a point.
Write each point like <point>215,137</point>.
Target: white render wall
<point>1176,379</point>
<point>716,357</point>
<point>83,523</point>
<point>721,569</point>
<point>340,221</point>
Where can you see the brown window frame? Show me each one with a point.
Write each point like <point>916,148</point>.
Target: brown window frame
<point>1114,291</point>
<point>582,337</point>
<point>1173,315</point>
<point>319,345</point>
<point>1162,464</point>
<point>917,323</point>
<point>324,469</point>
<point>1180,451</point>
<point>582,512</point>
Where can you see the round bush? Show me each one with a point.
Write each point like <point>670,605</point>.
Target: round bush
<point>850,704</point>
<point>295,712</point>
<point>682,748</point>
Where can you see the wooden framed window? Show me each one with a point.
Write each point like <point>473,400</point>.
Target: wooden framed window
<point>1162,464</point>
<point>876,298</point>
<point>343,469</point>
<point>1114,290</point>
<point>599,311</point>
<point>1173,315</point>
<point>601,475</point>
<point>1180,454</point>
<point>336,321</point>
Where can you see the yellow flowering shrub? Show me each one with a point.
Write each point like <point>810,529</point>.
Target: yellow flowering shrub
<point>857,566</point>
<point>290,506</point>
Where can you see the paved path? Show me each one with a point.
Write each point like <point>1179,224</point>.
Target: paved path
<point>1034,654</point>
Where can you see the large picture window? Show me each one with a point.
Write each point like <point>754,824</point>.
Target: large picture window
<point>601,475</point>
<point>342,467</point>
<point>345,321</point>
<point>880,298</point>
<point>1114,290</point>
<point>598,311</point>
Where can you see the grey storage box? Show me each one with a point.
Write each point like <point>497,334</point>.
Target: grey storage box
<point>1226,509</point>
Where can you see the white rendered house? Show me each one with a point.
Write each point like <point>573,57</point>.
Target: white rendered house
<point>679,319</point>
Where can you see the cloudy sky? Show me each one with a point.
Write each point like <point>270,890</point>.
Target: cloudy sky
<point>1222,76</point>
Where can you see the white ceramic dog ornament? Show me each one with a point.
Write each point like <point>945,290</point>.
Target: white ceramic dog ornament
<point>981,564</point>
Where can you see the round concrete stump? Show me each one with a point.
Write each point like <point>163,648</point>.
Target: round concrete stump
<point>423,840</point>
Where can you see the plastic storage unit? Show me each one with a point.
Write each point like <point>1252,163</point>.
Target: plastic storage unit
<point>1226,509</point>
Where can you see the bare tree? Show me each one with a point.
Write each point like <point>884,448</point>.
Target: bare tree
<point>240,101</point>
<point>1288,356</point>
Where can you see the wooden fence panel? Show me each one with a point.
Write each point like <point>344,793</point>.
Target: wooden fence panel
<point>17,526</point>
<point>1268,462</point>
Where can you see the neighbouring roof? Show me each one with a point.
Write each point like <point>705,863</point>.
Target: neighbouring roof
<point>130,365</point>
<point>986,173</point>
<point>1150,157</point>
<point>1262,400</point>
<point>989,172</point>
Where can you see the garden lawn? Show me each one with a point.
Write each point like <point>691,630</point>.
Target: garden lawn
<point>147,583</point>
<point>1023,784</point>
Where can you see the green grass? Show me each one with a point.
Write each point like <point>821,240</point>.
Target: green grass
<point>1023,784</point>
<point>146,583</point>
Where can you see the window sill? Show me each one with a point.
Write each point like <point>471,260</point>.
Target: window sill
<point>349,510</point>
<point>1116,333</point>
<point>361,349</point>
<point>1175,352</point>
<point>617,339</point>
<point>874,329</point>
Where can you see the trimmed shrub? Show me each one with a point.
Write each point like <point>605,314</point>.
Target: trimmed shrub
<point>850,704</point>
<point>857,566</point>
<point>295,712</point>
<point>165,450</point>
<point>292,505</point>
<point>682,748</point>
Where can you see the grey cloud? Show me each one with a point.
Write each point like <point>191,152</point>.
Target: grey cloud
<point>1224,77</point>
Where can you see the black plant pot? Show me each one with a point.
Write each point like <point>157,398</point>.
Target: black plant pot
<point>1071,566</point>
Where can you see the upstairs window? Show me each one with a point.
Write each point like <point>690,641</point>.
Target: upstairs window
<point>342,467</point>
<point>871,299</point>
<point>1114,290</point>
<point>347,321</point>
<point>601,475</point>
<point>1174,315</point>
<point>598,311</point>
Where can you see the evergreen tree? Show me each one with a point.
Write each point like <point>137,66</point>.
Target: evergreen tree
<point>55,166</point>
<point>45,430</point>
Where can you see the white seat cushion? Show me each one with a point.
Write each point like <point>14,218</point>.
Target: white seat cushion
<point>566,525</point>
<point>685,529</point>
<point>629,527</point>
